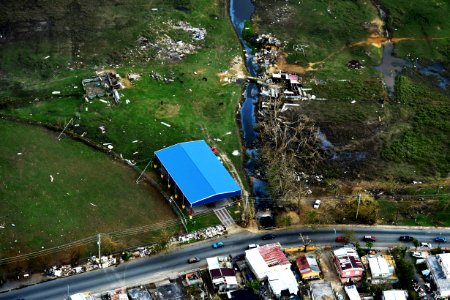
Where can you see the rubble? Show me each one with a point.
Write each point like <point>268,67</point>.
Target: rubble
<point>202,234</point>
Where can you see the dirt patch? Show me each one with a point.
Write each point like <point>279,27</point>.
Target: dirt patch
<point>282,65</point>
<point>127,83</point>
<point>236,70</point>
<point>168,110</point>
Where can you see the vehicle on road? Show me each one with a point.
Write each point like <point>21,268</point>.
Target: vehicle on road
<point>269,236</point>
<point>341,239</point>
<point>218,245</point>
<point>369,238</point>
<point>193,260</point>
<point>406,238</point>
<point>316,204</point>
<point>252,246</point>
<point>440,239</point>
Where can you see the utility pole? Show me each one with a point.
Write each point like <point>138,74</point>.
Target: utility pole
<point>142,173</point>
<point>359,202</point>
<point>99,245</point>
<point>70,121</point>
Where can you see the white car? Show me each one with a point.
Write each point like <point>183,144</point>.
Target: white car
<point>426,245</point>
<point>418,254</point>
<point>252,246</point>
<point>316,204</point>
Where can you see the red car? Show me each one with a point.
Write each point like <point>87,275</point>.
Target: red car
<point>369,238</point>
<point>341,239</point>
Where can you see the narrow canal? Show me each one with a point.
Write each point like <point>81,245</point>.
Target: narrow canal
<point>240,11</point>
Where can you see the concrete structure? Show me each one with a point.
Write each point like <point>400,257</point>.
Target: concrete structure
<point>348,264</point>
<point>321,291</point>
<point>395,295</point>
<point>439,266</point>
<point>222,274</point>
<point>269,262</point>
<point>381,269</point>
<point>308,267</point>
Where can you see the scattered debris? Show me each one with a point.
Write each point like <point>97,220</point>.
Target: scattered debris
<point>127,101</point>
<point>135,141</point>
<point>56,92</point>
<point>51,178</point>
<point>133,76</point>
<point>354,64</point>
<point>92,204</point>
<point>235,153</point>
<point>47,57</point>
<point>19,153</point>
<point>165,124</point>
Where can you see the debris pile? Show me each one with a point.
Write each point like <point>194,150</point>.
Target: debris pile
<point>206,233</point>
<point>165,47</point>
<point>198,34</point>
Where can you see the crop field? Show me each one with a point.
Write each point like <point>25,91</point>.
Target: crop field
<point>405,135</point>
<point>54,192</point>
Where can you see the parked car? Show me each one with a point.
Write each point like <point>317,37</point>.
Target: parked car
<point>218,245</point>
<point>316,204</point>
<point>252,246</point>
<point>426,245</point>
<point>269,236</point>
<point>440,239</point>
<point>341,239</point>
<point>369,238</point>
<point>406,238</point>
<point>418,255</point>
<point>193,260</point>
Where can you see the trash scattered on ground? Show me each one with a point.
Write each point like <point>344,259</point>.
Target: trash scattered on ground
<point>92,204</point>
<point>56,92</point>
<point>51,178</point>
<point>235,153</point>
<point>165,124</point>
<point>19,153</point>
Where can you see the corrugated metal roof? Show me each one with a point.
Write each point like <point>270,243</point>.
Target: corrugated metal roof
<point>197,172</point>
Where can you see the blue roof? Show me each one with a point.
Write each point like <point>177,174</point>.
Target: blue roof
<point>197,172</point>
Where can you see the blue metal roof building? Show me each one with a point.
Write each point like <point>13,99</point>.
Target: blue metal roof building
<point>197,173</point>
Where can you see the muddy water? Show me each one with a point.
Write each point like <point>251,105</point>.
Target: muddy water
<point>390,66</point>
<point>240,11</point>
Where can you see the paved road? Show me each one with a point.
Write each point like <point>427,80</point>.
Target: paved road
<point>140,270</point>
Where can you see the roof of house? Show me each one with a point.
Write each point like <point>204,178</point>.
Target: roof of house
<point>307,264</point>
<point>378,266</point>
<point>321,291</point>
<point>348,259</point>
<point>197,172</point>
<point>282,280</point>
<point>394,295</point>
<point>266,257</point>
<point>352,292</point>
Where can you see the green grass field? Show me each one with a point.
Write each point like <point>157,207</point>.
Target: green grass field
<point>90,192</point>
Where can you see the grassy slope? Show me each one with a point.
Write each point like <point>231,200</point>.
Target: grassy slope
<point>193,115</point>
<point>49,213</point>
<point>427,22</point>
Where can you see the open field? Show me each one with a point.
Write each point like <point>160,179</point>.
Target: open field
<point>407,136</point>
<point>90,193</point>
<point>196,104</point>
